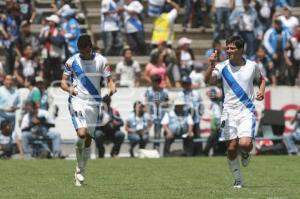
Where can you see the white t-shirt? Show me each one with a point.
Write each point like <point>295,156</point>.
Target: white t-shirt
<point>86,75</point>
<point>289,23</point>
<point>238,84</point>
<point>127,73</point>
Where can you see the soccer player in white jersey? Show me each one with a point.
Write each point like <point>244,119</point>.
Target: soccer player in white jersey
<point>82,79</point>
<point>238,115</point>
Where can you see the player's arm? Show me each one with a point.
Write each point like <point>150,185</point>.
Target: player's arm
<point>64,84</point>
<point>262,86</point>
<point>209,77</point>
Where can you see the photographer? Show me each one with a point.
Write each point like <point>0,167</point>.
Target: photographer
<point>138,126</point>
<point>109,129</point>
<point>36,124</point>
<point>9,141</point>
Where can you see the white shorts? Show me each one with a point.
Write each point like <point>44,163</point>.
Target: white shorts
<point>237,125</point>
<point>84,115</point>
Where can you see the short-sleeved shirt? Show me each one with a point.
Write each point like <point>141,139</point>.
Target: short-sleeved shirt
<point>160,70</point>
<point>172,117</point>
<point>8,139</point>
<point>238,84</point>
<point>86,75</point>
<point>127,72</point>
<point>132,22</point>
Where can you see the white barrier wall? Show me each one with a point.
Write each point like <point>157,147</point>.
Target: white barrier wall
<point>279,98</point>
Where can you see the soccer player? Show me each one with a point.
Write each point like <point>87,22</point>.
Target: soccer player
<point>82,79</point>
<point>238,115</point>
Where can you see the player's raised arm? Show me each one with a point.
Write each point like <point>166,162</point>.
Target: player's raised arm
<point>209,78</point>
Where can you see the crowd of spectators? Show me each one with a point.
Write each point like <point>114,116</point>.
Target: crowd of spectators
<point>35,61</point>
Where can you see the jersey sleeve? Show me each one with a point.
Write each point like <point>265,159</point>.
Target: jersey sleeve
<point>105,68</point>
<point>165,120</point>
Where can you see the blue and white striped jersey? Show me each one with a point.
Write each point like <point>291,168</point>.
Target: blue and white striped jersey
<point>86,76</point>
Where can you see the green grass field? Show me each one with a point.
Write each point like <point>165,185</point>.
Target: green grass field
<point>268,177</point>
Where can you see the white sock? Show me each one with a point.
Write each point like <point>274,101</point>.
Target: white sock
<point>80,153</point>
<point>234,166</point>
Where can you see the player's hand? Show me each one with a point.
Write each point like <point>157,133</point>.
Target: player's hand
<point>213,59</point>
<point>259,96</point>
<point>73,91</point>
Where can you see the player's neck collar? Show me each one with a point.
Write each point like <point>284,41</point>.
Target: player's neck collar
<point>235,65</point>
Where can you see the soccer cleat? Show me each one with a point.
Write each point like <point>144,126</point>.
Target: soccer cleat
<point>238,184</point>
<point>79,178</point>
<point>245,158</point>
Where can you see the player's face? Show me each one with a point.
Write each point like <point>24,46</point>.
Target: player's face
<point>86,53</point>
<point>233,52</point>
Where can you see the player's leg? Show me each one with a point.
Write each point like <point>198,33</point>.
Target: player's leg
<point>80,150</point>
<point>246,130</point>
<point>245,145</point>
<point>233,162</point>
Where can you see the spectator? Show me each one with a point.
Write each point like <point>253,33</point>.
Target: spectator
<point>221,10</point>
<point>53,42</point>
<point>185,56</point>
<point>194,107</point>
<point>34,93</point>
<point>292,139</point>
<point>11,36</point>
<point>27,10</point>
<point>164,25</point>
<point>9,100</point>
<point>245,23</point>
<point>138,126</point>
<point>110,21</point>
<point>26,67</point>
<point>170,60</point>
<point>109,129</point>
<point>27,39</point>
<point>44,99</point>
<point>157,67</point>
<point>128,71</point>
<point>265,10</point>
<point>71,30</point>
<point>266,65</point>
<point>38,123</point>
<point>288,20</point>
<point>276,41</point>
<point>197,76</point>
<point>10,143</point>
<point>177,124</point>
<point>134,28</point>
<point>156,102</point>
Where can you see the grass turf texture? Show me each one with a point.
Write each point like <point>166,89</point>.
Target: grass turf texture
<point>267,177</point>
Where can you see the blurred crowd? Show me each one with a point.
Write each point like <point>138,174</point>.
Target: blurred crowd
<point>35,62</point>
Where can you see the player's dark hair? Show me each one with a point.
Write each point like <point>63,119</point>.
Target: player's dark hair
<point>238,41</point>
<point>84,41</point>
